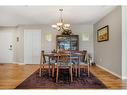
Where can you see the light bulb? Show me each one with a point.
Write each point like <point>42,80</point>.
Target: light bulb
<point>67,25</point>
<point>54,26</point>
<point>59,23</point>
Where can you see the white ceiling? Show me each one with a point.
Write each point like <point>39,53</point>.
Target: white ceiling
<point>35,15</point>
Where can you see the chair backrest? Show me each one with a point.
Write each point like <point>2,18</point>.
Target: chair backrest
<point>73,56</point>
<point>64,59</point>
<point>87,58</point>
<point>43,57</point>
<point>79,55</point>
<point>84,52</point>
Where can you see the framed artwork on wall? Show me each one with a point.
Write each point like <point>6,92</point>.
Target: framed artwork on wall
<point>103,34</point>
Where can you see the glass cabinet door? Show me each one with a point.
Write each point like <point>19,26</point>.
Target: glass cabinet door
<point>74,43</point>
<point>67,42</point>
<point>63,43</point>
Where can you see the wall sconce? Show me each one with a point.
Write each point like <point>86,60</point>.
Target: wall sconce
<point>48,37</point>
<point>85,36</point>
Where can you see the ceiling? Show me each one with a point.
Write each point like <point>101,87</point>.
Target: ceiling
<point>36,15</point>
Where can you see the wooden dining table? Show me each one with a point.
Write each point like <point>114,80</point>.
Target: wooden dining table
<point>75,56</point>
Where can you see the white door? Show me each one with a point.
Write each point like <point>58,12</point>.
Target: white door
<point>6,46</point>
<point>32,46</point>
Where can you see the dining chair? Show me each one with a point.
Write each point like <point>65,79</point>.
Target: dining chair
<point>42,61</point>
<point>46,61</point>
<point>64,62</point>
<point>77,57</point>
<point>85,64</point>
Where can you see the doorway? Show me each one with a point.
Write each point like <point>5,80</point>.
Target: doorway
<point>32,46</point>
<point>6,46</point>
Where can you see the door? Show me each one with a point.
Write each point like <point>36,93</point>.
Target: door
<point>32,46</point>
<point>6,46</point>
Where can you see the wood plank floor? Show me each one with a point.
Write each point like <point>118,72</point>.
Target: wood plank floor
<point>111,81</point>
<point>11,75</point>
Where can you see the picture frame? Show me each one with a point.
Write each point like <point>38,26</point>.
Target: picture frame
<point>103,34</point>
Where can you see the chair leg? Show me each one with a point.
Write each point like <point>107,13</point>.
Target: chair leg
<point>76,70</point>
<point>88,70</point>
<point>79,70</point>
<point>40,72</point>
<point>71,74</point>
<point>57,73</point>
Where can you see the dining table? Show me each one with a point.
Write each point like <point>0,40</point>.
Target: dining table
<point>54,56</point>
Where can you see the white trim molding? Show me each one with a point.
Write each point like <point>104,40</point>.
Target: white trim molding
<point>109,71</point>
<point>124,40</point>
<point>124,78</point>
<point>19,63</point>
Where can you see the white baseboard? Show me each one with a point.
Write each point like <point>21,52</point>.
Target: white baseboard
<point>109,71</point>
<point>19,63</point>
<point>124,78</point>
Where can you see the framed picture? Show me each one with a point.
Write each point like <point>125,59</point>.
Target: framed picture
<point>103,34</point>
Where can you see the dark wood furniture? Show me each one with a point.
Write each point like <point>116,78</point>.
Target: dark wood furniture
<point>64,56</point>
<point>64,62</point>
<point>67,42</point>
<point>50,61</point>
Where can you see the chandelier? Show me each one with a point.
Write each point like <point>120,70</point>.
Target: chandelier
<point>65,29</point>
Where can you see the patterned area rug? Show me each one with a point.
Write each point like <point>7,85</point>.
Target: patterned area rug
<point>46,82</point>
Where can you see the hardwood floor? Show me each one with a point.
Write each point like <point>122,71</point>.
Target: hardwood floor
<point>111,81</point>
<point>11,75</point>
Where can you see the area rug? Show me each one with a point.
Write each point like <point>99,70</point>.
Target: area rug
<point>46,82</point>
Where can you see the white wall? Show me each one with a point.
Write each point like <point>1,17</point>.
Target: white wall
<point>85,44</point>
<point>19,46</point>
<point>108,54</point>
<point>124,42</point>
<point>48,46</point>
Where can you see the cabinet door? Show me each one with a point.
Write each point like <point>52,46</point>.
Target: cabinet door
<point>67,42</point>
<point>74,42</point>
<point>63,43</point>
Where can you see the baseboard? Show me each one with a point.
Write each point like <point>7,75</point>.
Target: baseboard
<point>124,78</point>
<point>109,71</point>
<point>21,63</point>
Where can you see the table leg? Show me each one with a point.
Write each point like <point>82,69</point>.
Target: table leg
<point>79,66</point>
<point>49,66</point>
<point>53,69</point>
<point>57,73</point>
<point>40,69</point>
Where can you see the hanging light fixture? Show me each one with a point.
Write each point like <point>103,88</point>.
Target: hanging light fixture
<point>65,29</point>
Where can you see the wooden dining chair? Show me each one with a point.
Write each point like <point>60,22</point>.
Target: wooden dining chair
<point>77,57</point>
<point>46,62</point>
<point>64,62</point>
<point>85,64</point>
<point>42,61</point>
